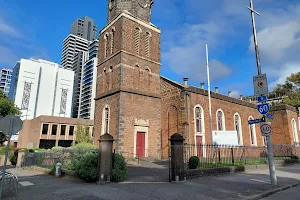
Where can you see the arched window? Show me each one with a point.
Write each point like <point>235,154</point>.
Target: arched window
<point>137,33</point>
<point>295,133</point>
<point>147,44</point>
<point>106,45</point>
<point>252,131</point>
<point>199,120</point>
<point>220,120</point>
<point>112,44</point>
<point>105,119</point>
<point>238,128</point>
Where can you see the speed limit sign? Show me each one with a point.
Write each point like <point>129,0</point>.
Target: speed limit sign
<point>266,129</point>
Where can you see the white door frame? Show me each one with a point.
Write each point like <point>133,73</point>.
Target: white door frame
<point>144,130</point>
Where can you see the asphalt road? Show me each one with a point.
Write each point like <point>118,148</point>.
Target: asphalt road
<point>291,194</point>
<point>35,186</point>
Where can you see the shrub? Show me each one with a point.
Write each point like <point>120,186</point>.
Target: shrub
<point>119,172</point>
<point>87,167</point>
<point>84,146</point>
<point>34,150</point>
<point>295,157</point>
<point>52,170</point>
<point>3,148</point>
<point>291,161</point>
<point>194,162</point>
<point>57,149</point>
<point>13,157</point>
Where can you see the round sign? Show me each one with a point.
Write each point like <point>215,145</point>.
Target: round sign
<point>266,129</point>
<point>260,84</point>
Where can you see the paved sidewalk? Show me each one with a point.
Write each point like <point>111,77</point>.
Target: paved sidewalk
<point>231,186</point>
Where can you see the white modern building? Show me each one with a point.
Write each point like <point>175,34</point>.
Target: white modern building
<point>72,45</point>
<point>5,80</point>
<point>41,87</point>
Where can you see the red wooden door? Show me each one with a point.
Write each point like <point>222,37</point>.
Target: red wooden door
<point>140,144</point>
<point>199,146</point>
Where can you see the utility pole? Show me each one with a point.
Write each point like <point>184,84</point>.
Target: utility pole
<point>268,137</point>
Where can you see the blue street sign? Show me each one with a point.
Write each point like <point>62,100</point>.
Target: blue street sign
<point>262,99</point>
<point>255,121</point>
<point>263,108</point>
<point>270,116</point>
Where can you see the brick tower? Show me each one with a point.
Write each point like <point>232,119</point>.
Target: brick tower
<point>128,99</point>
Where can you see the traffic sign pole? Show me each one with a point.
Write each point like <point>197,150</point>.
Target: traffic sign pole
<point>261,89</point>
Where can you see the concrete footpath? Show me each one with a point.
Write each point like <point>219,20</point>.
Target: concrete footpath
<point>35,186</point>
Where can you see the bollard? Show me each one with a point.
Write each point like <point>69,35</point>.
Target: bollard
<point>58,170</point>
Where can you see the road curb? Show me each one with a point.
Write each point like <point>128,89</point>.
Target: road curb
<point>272,191</point>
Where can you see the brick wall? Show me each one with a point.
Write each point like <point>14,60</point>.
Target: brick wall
<point>282,125</point>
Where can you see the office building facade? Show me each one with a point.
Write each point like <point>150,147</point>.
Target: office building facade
<point>84,28</point>
<point>5,81</point>
<point>72,45</point>
<point>41,87</point>
<point>88,89</point>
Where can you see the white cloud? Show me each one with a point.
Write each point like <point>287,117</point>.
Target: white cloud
<point>186,55</point>
<point>7,30</point>
<point>279,42</point>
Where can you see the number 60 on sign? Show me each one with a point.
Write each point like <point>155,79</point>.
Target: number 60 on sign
<point>266,129</point>
<point>263,108</point>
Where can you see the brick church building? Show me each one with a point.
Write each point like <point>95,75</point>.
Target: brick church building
<point>141,109</point>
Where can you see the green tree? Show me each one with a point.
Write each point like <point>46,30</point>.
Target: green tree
<point>82,134</point>
<point>7,107</point>
<point>290,90</point>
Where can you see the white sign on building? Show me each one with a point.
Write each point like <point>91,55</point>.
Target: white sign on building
<point>225,138</point>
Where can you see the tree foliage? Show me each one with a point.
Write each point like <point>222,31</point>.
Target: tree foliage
<point>82,135</point>
<point>7,107</point>
<point>290,90</point>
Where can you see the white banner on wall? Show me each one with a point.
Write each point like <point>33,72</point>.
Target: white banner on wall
<point>225,138</point>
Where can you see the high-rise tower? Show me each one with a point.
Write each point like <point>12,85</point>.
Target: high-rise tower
<point>128,97</point>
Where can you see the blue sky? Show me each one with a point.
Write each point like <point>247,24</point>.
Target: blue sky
<point>36,29</point>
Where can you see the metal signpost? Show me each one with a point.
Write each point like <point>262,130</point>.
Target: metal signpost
<point>261,90</point>
<point>9,125</point>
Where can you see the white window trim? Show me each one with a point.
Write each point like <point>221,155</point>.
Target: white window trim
<point>254,132</point>
<point>199,133</point>
<point>103,119</point>
<point>295,132</point>
<point>223,120</point>
<point>240,127</point>
<point>202,121</point>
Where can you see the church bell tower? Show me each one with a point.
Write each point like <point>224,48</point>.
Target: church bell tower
<point>141,9</point>
<point>128,97</point>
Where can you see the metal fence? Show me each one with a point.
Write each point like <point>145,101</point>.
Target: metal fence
<point>212,156</point>
<point>48,159</point>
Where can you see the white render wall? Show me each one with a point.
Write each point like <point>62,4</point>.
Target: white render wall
<point>47,82</point>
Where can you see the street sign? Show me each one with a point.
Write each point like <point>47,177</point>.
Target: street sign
<point>270,116</point>
<point>255,121</point>
<point>261,99</point>
<point>260,85</point>
<point>263,108</point>
<point>11,124</point>
<point>266,129</point>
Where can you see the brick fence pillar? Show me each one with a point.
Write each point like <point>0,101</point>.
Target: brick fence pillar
<point>105,157</point>
<point>177,162</point>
